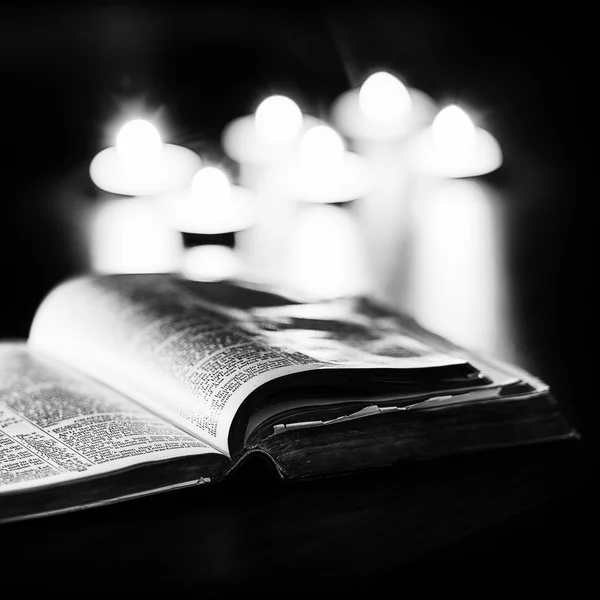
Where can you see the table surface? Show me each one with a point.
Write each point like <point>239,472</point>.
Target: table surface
<point>505,514</point>
<point>498,514</point>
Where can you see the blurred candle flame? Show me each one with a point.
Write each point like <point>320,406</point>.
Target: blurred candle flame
<point>278,119</point>
<point>138,143</point>
<point>453,130</point>
<point>322,148</point>
<point>383,97</point>
<point>211,183</point>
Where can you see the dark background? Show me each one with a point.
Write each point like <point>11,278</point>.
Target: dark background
<point>66,71</point>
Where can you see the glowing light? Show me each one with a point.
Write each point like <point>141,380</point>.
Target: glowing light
<point>382,109</point>
<point>138,142</point>
<point>321,147</point>
<point>131,236</point>
<point>140,164</point>
<point>210,263</point>
<point>383,97</point>
<point>211,183</point>
<point>452,130</point>
<point>278,119</point>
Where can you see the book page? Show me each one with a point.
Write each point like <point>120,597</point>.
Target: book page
<point>159,343</point>
<point>194,359</point>
<point>56,426</point>
<point>337,333</point>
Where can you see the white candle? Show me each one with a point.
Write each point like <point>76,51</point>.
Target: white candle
<point>257,142</point>
<point>211,205</point>
<point>378,118</point>
<point>141,164</point>
<point>322,172</point>
<point>453,146</point>
<point>324,256</point>
<point>457,281</point>
<point>129,234</point>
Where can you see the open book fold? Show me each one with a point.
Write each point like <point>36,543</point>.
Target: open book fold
<point>134,384</point>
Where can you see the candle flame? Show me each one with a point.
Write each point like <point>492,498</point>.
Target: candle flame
<point>138,143</point>
<point>453,130</point>
<point>322,147</point>
<point>383,97</point>
<point>278,119</point>
<point>211,183</point>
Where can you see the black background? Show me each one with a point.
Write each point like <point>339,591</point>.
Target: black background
<point>67,70</point>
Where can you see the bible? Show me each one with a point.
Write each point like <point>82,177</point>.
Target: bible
<point>129,385</point>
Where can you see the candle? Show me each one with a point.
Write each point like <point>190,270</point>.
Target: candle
<point>324,256</point>
<point>379,118</point>
<point>210,207</point>
<point>453,146</point>
<point>322,170</point>
<point>457,285</point>
<point>126,228</point>
<point>140,164</point>
<point>257,142</point>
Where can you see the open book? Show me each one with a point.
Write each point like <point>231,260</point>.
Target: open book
<point>135,384</point>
